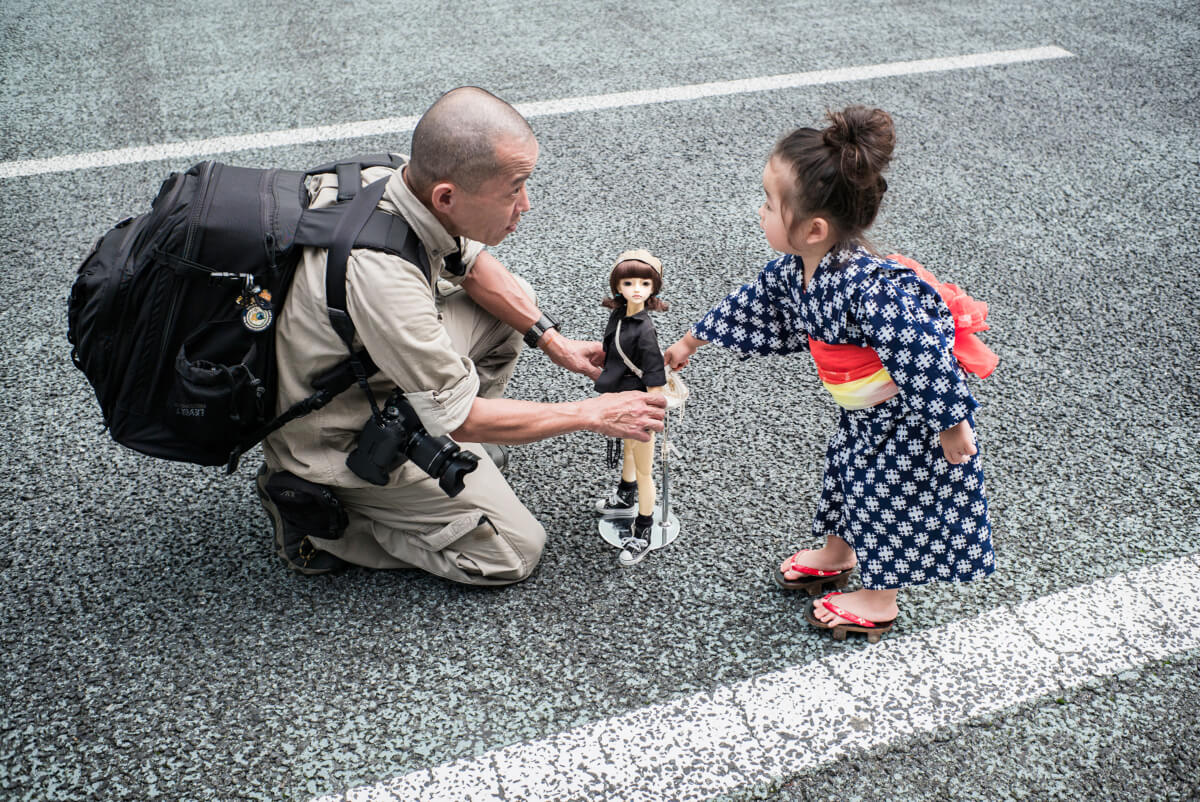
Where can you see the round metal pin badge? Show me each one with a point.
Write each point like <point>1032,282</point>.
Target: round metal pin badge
<point>256,318</point>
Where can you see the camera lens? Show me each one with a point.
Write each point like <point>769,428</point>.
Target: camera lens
<point>430,453</point>
<point>451,479</point>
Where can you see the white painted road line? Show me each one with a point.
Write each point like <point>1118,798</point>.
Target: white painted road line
<point>774,726</point>
<point>395,125</point>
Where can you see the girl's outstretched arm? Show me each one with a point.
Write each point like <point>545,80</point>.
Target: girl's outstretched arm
<point>760,317</point>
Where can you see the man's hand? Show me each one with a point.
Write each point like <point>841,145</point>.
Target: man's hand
<point>958,443</point>
<point>578,356</point>
<point>630,415</point>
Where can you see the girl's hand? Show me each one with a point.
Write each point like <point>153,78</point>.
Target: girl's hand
<point>678,355</point>
<point>958,443</point>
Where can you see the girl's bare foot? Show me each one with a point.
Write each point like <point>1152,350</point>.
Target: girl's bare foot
<point>873,605</point>
<point>835,555</point>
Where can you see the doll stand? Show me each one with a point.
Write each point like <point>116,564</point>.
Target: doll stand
<point>666,524</point>
<point>614,530</point>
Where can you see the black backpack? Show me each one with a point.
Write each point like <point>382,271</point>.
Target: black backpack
<point>171,316</point>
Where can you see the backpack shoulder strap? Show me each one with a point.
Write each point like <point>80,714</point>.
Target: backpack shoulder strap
<point>382,231</point>
<point>392,234</point>
<point>349,223</point>
<point>339,231</point>
<point>363,161</point>
<point>340,228</point>
<point>349,171</point>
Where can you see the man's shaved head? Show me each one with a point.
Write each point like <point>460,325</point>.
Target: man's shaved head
<point>456,139</point>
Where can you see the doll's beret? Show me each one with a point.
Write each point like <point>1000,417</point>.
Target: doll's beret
<point>640,255</point>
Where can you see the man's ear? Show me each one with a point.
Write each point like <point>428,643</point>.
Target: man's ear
<point>442,197</point>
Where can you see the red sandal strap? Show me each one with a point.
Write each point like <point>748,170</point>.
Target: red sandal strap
<point>846,614</point>
<point>804,569</point>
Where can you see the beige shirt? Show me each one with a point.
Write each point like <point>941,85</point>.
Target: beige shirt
<point>396,318</point>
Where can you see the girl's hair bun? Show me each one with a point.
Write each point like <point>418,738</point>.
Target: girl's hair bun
<point>863,140</point>
<point>838,170</point>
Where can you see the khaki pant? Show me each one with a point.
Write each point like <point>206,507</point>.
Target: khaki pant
<point>482,536</point>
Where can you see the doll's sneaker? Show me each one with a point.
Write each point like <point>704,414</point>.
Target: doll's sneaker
<point>619,504</point>
<point>636,546</point>
<point>633,550</point>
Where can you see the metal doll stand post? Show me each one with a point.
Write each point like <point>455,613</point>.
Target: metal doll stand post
<point>666,524</point>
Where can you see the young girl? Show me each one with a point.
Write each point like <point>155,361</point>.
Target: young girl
<point>903,495</point>
<point>633,362</point>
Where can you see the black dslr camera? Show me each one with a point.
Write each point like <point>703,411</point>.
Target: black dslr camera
<point>397,434</point>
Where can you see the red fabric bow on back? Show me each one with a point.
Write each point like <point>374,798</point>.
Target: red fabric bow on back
<point>970,317</point>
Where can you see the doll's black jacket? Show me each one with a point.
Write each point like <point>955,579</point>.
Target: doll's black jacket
<point>639,340</point>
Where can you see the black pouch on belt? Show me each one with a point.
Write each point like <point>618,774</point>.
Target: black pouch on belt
<point>307,508</point>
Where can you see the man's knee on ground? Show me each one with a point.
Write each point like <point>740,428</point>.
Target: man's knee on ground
<point>501,554</point>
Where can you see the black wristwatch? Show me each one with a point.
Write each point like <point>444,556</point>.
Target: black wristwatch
<point>544,324</point>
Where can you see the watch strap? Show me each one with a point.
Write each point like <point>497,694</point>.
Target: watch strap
<point>544,324</point>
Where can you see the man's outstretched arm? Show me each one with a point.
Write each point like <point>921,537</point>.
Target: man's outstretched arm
<point>629,415</point>
<point>494,288</point>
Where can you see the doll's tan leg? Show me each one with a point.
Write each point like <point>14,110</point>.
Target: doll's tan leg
<point>643,457</point>
<point>628,465</point>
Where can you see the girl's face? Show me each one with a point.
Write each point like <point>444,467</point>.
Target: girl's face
<point>635,290</point>
<point>776,181</point>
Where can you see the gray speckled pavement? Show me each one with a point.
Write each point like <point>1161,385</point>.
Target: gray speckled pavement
<point>1129,736</point>
<point>150,646</point>
<point>738,741</point>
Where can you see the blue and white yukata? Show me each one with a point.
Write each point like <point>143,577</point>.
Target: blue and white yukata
<point>910,516</point>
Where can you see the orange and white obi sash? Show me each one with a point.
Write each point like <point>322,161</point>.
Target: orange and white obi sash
<point>854,375</point>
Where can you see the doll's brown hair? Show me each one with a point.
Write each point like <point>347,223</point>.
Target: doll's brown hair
<point>635,268</point>
<point>838,170</point>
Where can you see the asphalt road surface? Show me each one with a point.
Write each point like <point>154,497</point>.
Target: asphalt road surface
<point>152,647</point>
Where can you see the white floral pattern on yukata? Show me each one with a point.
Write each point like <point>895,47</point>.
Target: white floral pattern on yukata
<point>888,491</point>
